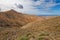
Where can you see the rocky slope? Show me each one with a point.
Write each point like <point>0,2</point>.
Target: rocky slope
<point>14,25</point>
<point>43,30</point>
<point>13,18</point>
<point>11,21</point>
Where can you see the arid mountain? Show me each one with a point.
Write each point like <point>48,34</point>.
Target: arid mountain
<point>11,22</point>
<point>13,18</point>
<point>18,26</point>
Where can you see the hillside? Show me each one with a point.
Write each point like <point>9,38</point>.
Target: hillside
<point>13,18</point>
<point>14,25</point>
<point>48,29</point>
<point>43,30</point>
<point>11,22</point>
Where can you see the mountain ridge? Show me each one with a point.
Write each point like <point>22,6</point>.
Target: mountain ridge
<point>16,18</point>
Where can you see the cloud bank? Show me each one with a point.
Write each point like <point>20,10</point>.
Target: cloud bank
<point>34,7</point>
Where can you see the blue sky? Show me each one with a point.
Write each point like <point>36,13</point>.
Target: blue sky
<point>33,7</point>
<point>54,9</point>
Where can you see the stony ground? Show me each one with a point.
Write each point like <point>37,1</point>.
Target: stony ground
<point>25,27</point>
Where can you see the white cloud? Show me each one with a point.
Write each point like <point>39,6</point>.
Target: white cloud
<point>7,4</point>
<point>28,5</point>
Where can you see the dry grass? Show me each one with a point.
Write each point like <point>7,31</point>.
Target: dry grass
<point>11,21</point>
<point>17,26</point>
<point>45,30</point>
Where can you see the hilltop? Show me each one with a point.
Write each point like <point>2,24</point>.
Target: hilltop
<point>13,18</point>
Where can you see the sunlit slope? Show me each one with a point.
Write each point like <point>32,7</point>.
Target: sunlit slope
<point>44,30</point>
<point>48,29</point>
<point>14,25</point>
<point>13,18</point>
<point>11,23</point>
